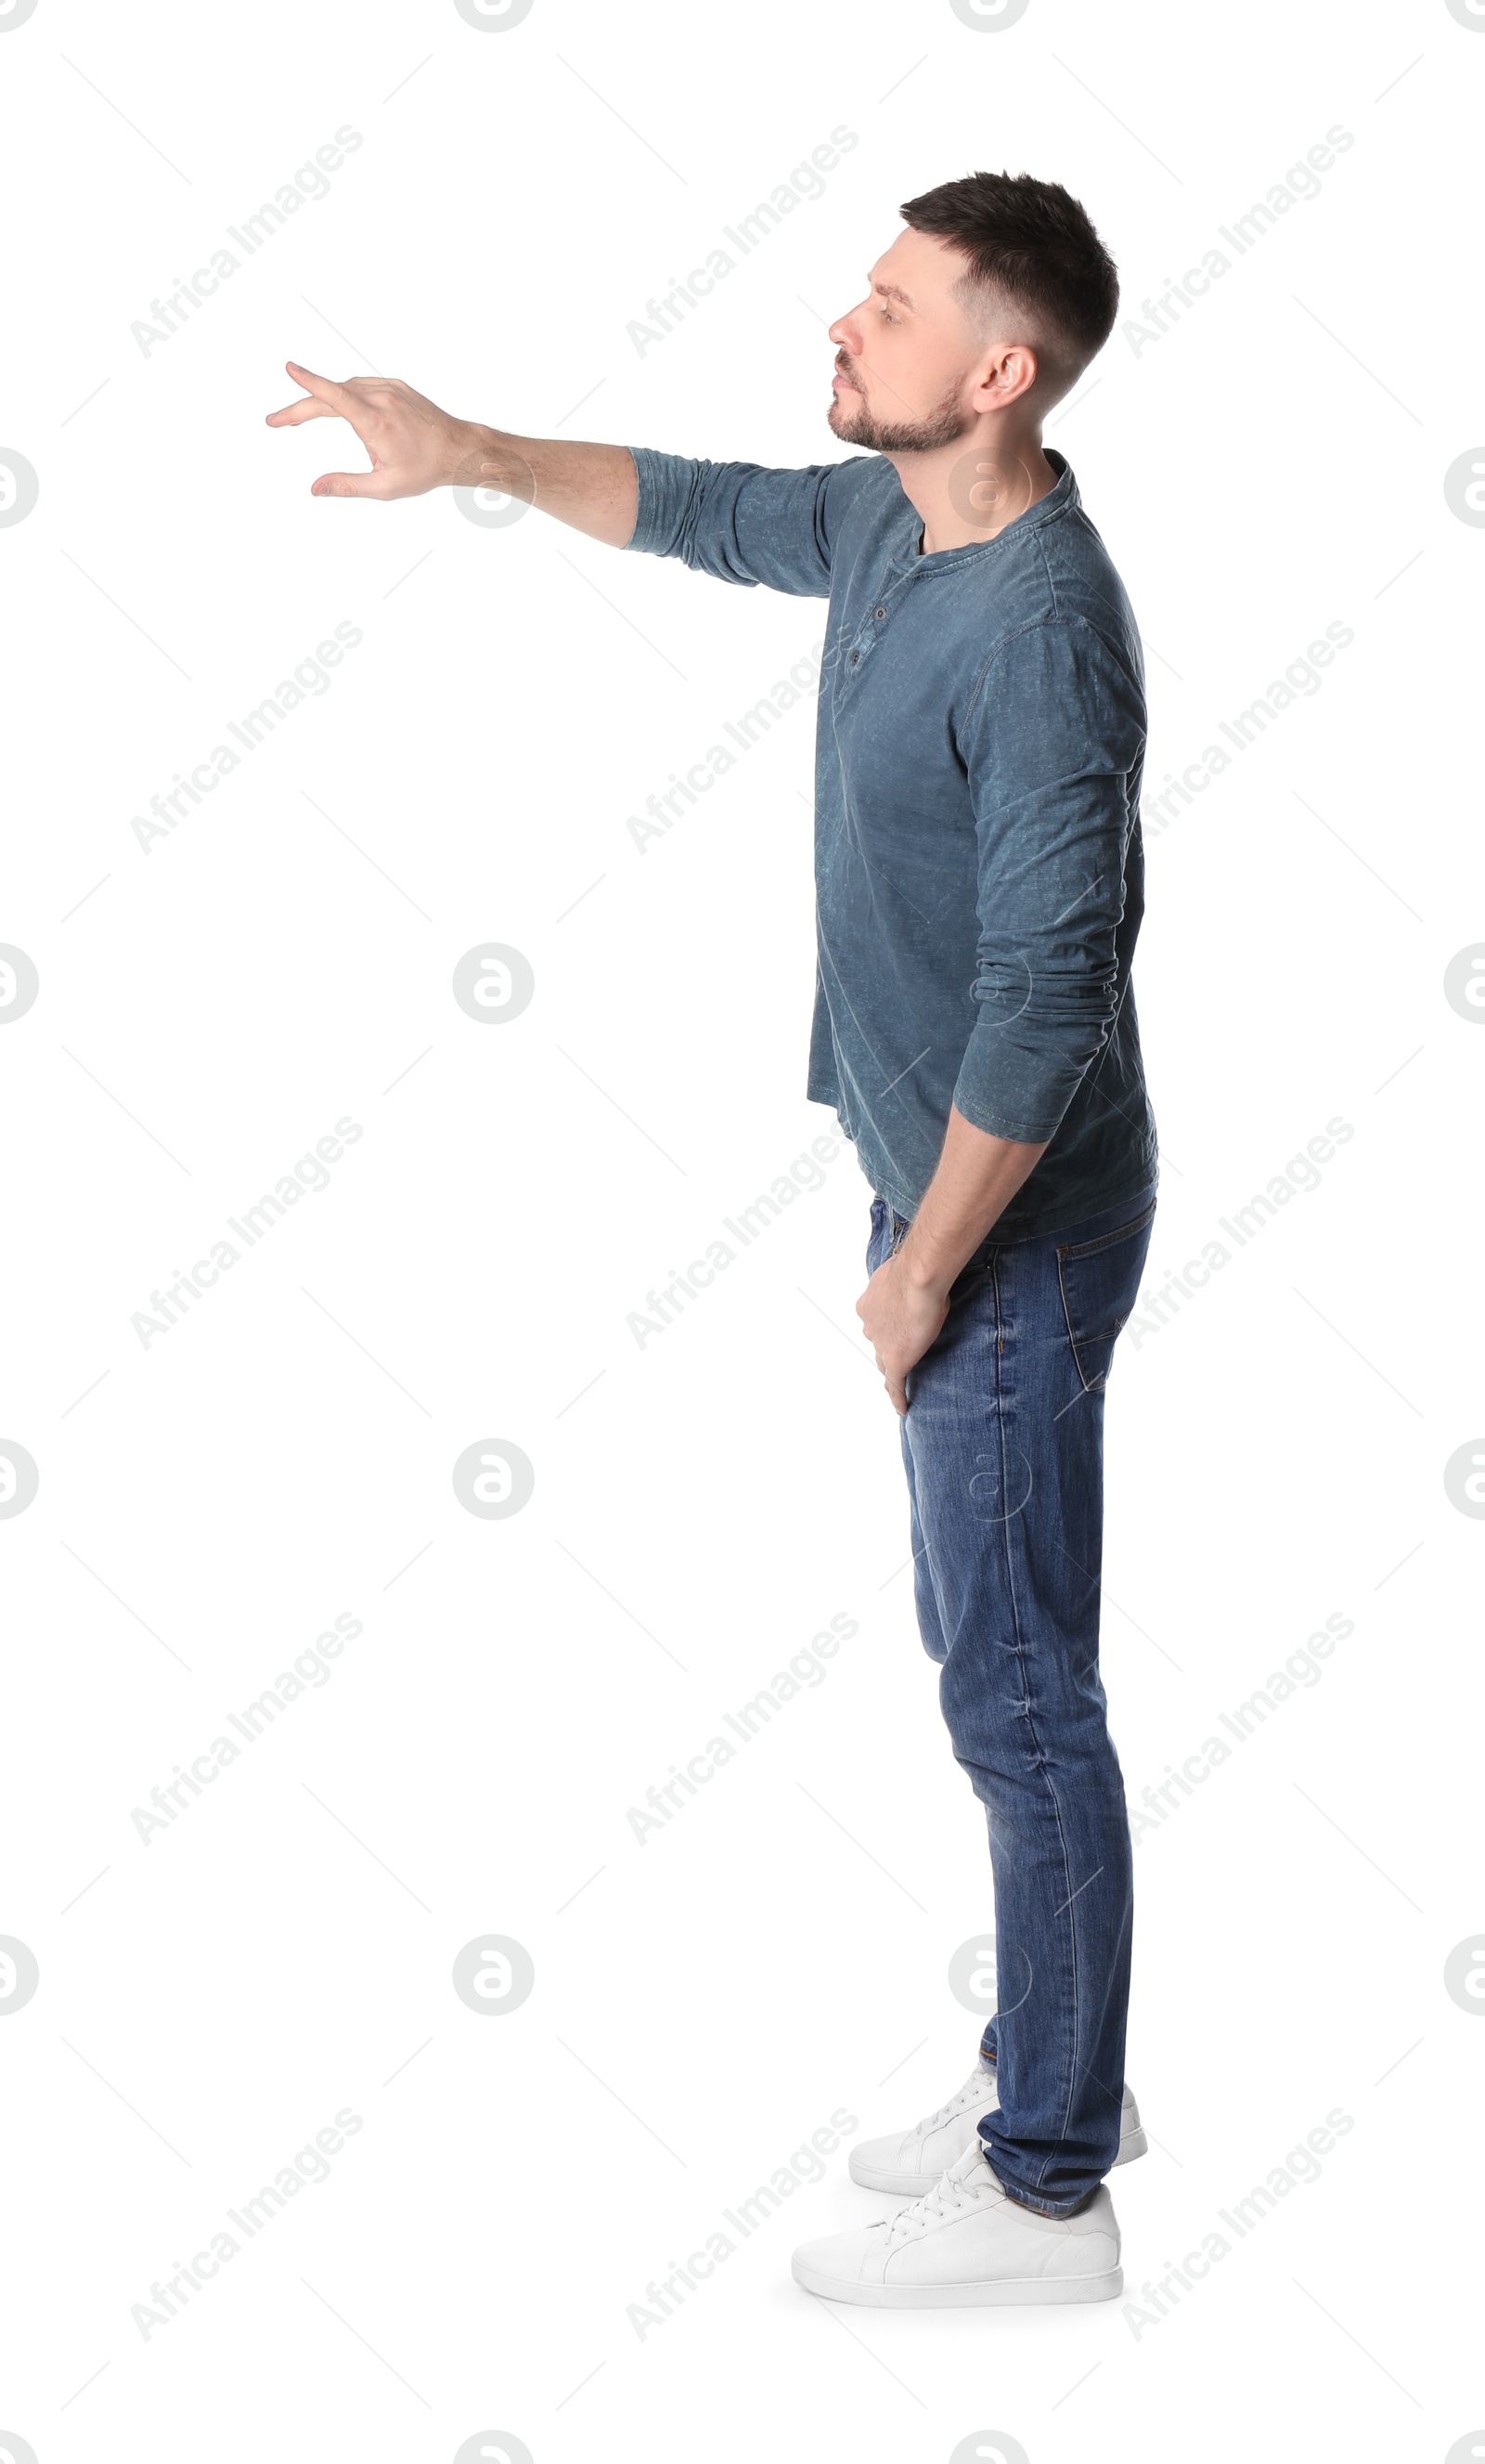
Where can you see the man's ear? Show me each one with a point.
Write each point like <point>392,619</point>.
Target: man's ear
<point>1009,378</point>
<point>1030,368</point>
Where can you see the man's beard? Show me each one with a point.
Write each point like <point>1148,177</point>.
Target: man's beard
<point>944,425</point>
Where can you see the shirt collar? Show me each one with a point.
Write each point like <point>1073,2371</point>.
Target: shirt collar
<point>1059,498</point>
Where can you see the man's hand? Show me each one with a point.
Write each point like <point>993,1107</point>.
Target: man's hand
<point>901,1317</point>
<point>904,1306</point>
<point>414,444</point>
<point>414,447</point>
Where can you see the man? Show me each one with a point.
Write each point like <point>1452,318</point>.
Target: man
<point>979,877</point>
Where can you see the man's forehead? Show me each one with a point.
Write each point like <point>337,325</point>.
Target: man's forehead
<point>916,266</point>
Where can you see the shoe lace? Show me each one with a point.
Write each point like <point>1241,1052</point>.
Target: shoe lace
<point>956,2103</point>
<point>946,2195</point>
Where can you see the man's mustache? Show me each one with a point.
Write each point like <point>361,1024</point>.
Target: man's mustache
<point>844,369</point>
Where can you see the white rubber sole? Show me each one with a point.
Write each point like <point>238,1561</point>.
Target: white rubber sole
<point>1012,2292</point>
<point>917,2185</point>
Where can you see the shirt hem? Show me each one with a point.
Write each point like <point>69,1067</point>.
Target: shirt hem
<point>1049,1222</point>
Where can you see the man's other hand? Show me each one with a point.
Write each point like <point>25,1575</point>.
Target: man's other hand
<point>901,1318</point>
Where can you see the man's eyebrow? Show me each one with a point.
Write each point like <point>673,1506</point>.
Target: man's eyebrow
<point>891,291</point>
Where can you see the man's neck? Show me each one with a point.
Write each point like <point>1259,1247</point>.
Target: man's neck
<point>969,491</point>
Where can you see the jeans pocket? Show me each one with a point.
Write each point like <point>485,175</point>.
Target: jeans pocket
<point>888,1232</point>
<point>1101,1284</point>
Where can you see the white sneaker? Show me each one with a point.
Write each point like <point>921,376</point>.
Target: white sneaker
<point>909,2165</point>
<point>968,2243</point>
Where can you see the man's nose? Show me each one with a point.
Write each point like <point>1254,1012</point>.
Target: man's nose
<point>846,332</point>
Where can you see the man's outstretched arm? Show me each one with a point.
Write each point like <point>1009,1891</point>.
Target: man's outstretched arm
<point>732,520</point>
<point>414,446</point>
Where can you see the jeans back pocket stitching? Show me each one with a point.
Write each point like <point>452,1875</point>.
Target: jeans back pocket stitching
<point>1078,1344</point>
<point>1106,1240</point>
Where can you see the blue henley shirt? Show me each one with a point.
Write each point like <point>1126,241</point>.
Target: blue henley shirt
<point>979,873</point>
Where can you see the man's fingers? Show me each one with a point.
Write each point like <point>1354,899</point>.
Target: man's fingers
<point>351,483</point>
<point>294,415</point>
<point>898,1392</point>
<point>324,388</point>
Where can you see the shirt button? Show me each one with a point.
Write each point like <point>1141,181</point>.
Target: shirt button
<point>881,613</point>
<point>855,658</point>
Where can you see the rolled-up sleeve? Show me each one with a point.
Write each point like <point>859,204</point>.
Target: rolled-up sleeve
<point>1053,746</point>
<point>736,520</point>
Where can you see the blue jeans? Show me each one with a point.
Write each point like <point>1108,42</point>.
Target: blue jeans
<point>1003,1442</point>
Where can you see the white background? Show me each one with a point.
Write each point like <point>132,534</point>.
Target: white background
<point>705,1504</point>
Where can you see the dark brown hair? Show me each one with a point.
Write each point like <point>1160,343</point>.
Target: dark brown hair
<point>1034,245</point>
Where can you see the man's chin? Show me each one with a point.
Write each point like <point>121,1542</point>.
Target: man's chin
<point>844,412</point>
